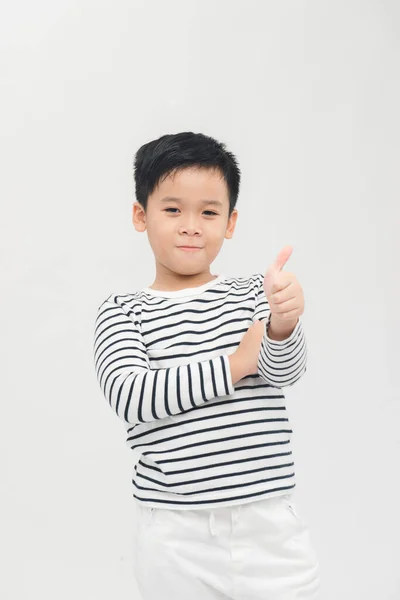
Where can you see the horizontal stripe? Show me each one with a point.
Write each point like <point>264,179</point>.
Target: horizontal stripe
<point>162,364</point>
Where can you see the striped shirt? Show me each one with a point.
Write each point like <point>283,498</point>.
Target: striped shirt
<point>161,360</point>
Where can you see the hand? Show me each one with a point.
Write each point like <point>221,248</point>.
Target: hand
<point>284,293</point>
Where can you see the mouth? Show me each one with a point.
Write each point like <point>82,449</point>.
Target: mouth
<point>189,248</point>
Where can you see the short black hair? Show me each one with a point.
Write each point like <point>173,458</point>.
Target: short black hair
<point>157,159</point>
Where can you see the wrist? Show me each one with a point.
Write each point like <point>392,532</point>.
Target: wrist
<point>278,330</point>
<point>236,365</point>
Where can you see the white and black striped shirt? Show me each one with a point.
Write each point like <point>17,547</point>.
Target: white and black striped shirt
<point>161,360</point>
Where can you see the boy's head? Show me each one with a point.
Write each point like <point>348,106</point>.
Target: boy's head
<point>187,186</point>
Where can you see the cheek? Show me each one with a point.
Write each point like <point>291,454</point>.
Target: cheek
<point>161,231</point>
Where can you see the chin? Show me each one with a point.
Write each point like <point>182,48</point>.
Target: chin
<point>188,270</point>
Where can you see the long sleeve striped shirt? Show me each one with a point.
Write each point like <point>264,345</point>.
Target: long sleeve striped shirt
<point>161,360</point>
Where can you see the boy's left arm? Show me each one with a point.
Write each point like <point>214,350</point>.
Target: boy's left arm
<point>282,362</point>
<point>280,302</point>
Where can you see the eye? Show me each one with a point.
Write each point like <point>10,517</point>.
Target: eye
<point>206,211</point>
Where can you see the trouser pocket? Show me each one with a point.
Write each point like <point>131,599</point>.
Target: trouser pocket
<point>291,507</point>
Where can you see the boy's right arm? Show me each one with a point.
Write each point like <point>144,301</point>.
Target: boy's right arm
<point>236,366</point>
<point>140,394</point>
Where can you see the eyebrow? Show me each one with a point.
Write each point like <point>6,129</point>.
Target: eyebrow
<point>179,200</point>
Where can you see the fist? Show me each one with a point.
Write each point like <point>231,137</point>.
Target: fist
<point>282,290</point>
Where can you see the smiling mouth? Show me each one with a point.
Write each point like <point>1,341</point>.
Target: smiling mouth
<point>189,248</point>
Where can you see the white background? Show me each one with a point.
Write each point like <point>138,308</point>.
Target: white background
<point>307,95</point>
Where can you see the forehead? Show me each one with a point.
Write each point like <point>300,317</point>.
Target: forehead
<point>193,185</point>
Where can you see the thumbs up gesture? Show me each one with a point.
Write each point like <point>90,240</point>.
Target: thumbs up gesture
<point>285,296</point>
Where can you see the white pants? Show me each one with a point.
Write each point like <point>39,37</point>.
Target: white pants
<point>256,551</point>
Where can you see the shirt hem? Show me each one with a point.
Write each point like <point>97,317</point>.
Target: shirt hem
<point>215,504</point>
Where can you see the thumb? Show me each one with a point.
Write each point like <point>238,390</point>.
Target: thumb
<point>281,260</point>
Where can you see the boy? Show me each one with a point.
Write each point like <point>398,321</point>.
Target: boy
<point>194,366</point>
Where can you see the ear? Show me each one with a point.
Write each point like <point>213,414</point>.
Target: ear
<point>138,217</point>
<point>231,224</point>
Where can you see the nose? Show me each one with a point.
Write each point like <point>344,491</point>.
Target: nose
<point>191,228</point>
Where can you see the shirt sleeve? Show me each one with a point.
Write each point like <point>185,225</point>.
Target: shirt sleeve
<point>138,393</point>
<point>280,363</point>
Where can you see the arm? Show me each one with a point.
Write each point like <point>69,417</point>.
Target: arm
<point>138,393</point>
<point>281,362</point>
<point>278,332</point>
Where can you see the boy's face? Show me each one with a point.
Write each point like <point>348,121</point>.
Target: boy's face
<point>188,208</point>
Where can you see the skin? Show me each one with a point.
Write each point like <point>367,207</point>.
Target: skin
<point>189,221</point>
<point>186,221</point>
<point>285,297</point>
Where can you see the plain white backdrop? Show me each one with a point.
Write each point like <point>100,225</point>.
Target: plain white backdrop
<point>307,95</point>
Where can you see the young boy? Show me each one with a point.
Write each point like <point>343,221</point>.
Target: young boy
<point>194,366</point>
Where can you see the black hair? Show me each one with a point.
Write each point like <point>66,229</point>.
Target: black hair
<point>157,159</point>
